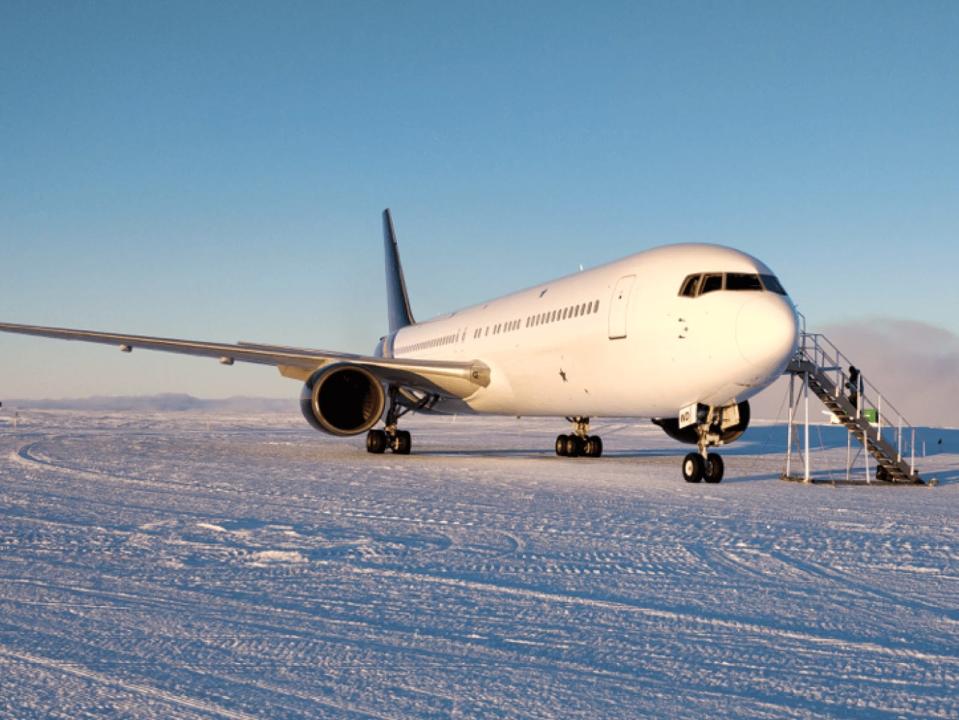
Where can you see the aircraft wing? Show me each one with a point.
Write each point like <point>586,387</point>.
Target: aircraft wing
<point>446,378</point>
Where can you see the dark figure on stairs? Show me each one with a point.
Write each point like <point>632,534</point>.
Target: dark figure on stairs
<point>855,386</point>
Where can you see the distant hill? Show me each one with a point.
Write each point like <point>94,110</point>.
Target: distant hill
<point>167,402</point>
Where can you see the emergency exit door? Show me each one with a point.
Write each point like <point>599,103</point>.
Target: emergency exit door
<point>619,305</point>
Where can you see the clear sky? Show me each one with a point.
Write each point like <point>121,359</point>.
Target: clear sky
<point>216,170</point>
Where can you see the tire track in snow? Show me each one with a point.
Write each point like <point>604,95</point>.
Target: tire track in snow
<point>672,615</point>
<point>138,688</point>
<point>26,455</point>
<point>856,588</point>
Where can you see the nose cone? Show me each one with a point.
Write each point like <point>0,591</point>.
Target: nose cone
<point>766,331</point>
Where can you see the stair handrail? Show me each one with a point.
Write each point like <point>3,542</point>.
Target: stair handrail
<point>821,358</point>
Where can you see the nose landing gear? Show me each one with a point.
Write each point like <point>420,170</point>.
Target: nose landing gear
<point>703,465</point>
<point>697,469</point>
<point>580,443</point>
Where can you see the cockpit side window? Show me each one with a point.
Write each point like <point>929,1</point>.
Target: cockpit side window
<point>711,283</point>
<point>742,281</point>
<point>690,286</point>
<point>772,284</point>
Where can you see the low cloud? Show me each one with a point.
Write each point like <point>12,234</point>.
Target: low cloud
<point>913,364</point>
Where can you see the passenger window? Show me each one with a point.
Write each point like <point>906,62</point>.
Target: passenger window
<point>742,281</point>
<point>690,286</point>
<point>772,284</point>
<point>712,283</point>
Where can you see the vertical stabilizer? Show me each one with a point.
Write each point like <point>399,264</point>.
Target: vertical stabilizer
<point>397,299</point>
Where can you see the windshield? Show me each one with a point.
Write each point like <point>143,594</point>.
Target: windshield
<point>701,283</point>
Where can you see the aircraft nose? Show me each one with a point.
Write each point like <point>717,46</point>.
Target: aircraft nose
<point>766,332</point>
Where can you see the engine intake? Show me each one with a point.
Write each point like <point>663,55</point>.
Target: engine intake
<point>342,399</point>
<point>689,435</point>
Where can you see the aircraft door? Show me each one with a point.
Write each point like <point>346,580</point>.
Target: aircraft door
<point>618,306</point>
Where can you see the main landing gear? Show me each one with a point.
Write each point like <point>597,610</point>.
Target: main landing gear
<point>703,465</point>
<point>399,441</point>
<point>580,443</point>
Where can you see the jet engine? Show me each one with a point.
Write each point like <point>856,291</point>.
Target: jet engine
<point>732,423</point>
<point>342,399</point>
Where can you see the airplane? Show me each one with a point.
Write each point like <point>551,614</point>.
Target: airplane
<point>680,334</point>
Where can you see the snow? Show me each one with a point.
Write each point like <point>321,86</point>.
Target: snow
<point>192,565</point>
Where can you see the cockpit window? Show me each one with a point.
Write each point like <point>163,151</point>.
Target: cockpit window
<point>772,284</point>
<point>742,281</point>
<point>712,283</point>
<point>702,283</point>
<point>690,286</point>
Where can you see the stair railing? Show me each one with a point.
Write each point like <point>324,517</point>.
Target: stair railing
<point>829,360</point>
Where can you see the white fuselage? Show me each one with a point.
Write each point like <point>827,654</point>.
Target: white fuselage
<point>619,339</point>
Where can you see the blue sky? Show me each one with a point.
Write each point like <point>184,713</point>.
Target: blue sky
<point>217,170</point>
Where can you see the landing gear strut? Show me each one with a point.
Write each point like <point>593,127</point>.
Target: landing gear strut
<point>703,465</point>
<point>580,443</point>
<point>399,441</point>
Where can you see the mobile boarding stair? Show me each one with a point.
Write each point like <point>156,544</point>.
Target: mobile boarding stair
<point>887,437</point>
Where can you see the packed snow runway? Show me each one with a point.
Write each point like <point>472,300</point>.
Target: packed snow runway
<point>186,565</point>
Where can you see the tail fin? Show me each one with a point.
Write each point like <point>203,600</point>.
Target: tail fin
<point>398,301</point>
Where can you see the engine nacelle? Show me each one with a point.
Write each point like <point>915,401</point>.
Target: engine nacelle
<point>728,432</point>
<point>342,399</point>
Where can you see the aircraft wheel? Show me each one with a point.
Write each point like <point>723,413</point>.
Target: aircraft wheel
<point>402,442</point>
<point>561,445</point>
<point>594,446</point>
<point>693,468</point>
<point>714,468</point>
<point>574,446</point>
<point>376,441</point>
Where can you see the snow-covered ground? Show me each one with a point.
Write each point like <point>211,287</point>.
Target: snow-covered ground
<point>197,566</point>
